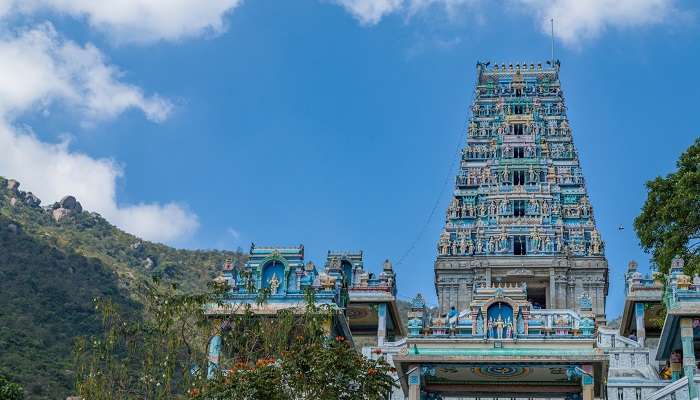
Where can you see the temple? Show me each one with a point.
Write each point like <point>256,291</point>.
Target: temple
<point>520,211</point>
<point>520,275</point>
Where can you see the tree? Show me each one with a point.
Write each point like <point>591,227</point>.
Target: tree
<point>10,390</point>
<point>669,224</point>
<point>164,356</point>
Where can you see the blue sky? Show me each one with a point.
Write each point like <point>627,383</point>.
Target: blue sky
<point>329,123</point>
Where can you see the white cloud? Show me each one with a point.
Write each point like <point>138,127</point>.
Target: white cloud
<point>577,20</point>
<point>39,67</point>
<point>52,170</point>
<point>370,12</point>
<point>138,21</point>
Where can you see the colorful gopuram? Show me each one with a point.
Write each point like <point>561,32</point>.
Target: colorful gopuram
<point>520,211</point>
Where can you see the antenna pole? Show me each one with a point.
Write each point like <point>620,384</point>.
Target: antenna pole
<point>552,23</point>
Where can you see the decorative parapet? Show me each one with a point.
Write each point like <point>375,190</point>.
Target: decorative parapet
<point>348,267</point>
<point>499,312</point>
<point>281,277</point>
<point>645,286</point>
<point>682,292</point>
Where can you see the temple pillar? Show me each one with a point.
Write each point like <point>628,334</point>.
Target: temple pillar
<point>641,330</point>
<point>213,355</point>
<point>689,355</point>
<point>587,384</point>
<point>676,365</point>
<point>381,324</point>
<point>414,383</point>
<point>551,301</point>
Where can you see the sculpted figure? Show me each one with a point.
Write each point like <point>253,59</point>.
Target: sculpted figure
<point>596,243</point>
<point>532,175</point>
<point>492,208</point>
<point>534,206</point>
<point>490,245</point>
<point>274,283</point>
<point>547,244</point>
<point>499,327</point>
<point>535,239</point>
<point>503,240</point>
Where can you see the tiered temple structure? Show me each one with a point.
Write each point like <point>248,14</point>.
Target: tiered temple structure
<point>521,277</point>
<point>520,211</point>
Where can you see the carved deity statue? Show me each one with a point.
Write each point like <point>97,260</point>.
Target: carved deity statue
<point>503,240</point>
<point>535,239</point>
<point>547,244</point>
<point>274,283</point>
<point>444,243</point>
<point>532,175</point>
<point>534,206</point>
<point>506,174</point>
<point>545,208</point>
<point>499,327</point>
<point>596,243</point>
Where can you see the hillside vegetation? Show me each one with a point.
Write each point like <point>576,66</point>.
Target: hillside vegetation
<point>54,261</point>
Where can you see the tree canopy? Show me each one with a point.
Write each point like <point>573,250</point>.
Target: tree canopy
<point>10,390</point>
<point>669,224</point>
<point>164,355</point>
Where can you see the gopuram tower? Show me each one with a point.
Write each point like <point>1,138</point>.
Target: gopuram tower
<point>520,211</point>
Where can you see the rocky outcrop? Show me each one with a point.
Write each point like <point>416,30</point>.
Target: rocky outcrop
<point>66,207</point>
<point>27,198</point>
<point>31,200</point>
<point>149,263</point>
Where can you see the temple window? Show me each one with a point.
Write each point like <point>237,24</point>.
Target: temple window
<point>620,395</point>
<point>518,109</point>
<point>518,129</point>
<point>519,248</point>
<point>638,393</point>
<point>518,92</point>
<point>519,178</point>
<point>518,152</point>
<point>519,208</point>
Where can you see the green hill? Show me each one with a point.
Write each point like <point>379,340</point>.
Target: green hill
<point>53,262</point>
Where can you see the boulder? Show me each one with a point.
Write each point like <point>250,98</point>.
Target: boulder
<point>13,185</point>
<point>14,229</point>
<point>60,213</point>
<point>13,201</point>
<point>67,206</point>
<point>149,263</point>
<point>70,203</point>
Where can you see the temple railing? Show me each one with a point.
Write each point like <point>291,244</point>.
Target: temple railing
<point>691,294</point>
<point>542,324</point>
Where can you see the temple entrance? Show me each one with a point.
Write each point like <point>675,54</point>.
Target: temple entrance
<point>502,381</point>
<point>537,291</point>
